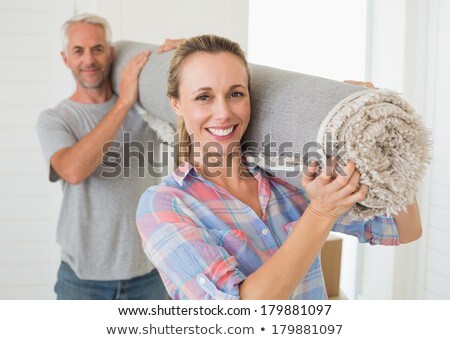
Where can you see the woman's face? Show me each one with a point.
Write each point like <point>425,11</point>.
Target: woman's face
<point>214,100</point>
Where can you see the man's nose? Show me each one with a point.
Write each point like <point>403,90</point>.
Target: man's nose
<point>88,58</point>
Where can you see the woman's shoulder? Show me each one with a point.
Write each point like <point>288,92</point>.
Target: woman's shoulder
<point>162,194</point>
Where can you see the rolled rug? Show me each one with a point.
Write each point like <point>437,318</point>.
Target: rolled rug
<point>390,145</point>
<point>298,117</point>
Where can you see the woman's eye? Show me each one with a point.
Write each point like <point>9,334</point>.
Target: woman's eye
<point>202,97</point>
<point>237,94</point>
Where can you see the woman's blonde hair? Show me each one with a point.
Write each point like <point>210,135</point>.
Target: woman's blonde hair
<point>212,44</point>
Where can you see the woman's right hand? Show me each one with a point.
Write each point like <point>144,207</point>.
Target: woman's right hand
<point>331,197</point>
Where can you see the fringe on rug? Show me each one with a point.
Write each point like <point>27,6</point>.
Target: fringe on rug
<point>389,144</point>
<point>164,130</point>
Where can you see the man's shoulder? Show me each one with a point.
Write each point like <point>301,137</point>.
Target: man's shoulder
<point>66,114</point>
<point>69,111</point>
<point>58,110</point>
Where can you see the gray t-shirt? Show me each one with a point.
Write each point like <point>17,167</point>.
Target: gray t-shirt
<point>96,228</point>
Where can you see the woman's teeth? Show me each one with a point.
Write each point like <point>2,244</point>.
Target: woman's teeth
<point>221,132</point>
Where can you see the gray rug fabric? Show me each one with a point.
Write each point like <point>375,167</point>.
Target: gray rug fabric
<point>296,117</point>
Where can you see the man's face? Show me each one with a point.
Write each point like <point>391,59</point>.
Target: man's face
<point>88,55</point>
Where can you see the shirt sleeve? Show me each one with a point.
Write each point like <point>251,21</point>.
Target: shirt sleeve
<point>380,230</point>
<point>54,135</point>
<point>188,257</point>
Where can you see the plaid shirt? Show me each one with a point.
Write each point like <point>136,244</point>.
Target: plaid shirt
<point>205,242</point>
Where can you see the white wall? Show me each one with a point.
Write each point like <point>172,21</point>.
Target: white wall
<point>434,276</point>
<point>32,78</point>
<point>29,83</point>
<point>153,20</point>
<point>324,38</point>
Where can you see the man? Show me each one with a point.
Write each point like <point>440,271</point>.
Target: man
<point>102,257</point>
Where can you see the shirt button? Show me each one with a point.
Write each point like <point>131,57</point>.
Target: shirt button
<point>202,281</point>
<point>264,231</point>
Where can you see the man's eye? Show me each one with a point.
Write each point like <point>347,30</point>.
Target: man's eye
<point>98,50</point>
<point>77,52</point>
<point>203,97</point>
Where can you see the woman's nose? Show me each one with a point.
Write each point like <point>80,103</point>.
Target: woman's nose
<point>222,110</point>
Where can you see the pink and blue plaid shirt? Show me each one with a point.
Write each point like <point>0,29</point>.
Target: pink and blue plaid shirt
<point>205,242</point>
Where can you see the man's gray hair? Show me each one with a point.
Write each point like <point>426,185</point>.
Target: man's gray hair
<point>89,19</point>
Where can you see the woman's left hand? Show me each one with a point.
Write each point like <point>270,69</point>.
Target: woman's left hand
<point>361,83</point>
<point>170,44</point>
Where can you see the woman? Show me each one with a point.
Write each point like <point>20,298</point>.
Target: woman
<point>221,229</point>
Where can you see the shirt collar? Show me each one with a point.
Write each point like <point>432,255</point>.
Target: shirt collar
<point>182,171</point>
<point>186,169</point>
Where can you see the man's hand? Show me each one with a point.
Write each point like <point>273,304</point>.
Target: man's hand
<point>129,79</point>
<point>361,83</point>
<point>170,44</point>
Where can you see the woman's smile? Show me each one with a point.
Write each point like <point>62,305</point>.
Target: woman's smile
<point>222,133</point>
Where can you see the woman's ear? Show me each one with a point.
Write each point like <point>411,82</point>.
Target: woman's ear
<point>175,105</point>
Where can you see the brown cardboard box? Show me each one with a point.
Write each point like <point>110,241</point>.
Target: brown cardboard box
<point>331,264</point>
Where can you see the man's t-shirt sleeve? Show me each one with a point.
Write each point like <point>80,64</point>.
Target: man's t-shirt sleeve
<point>54,134</point>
